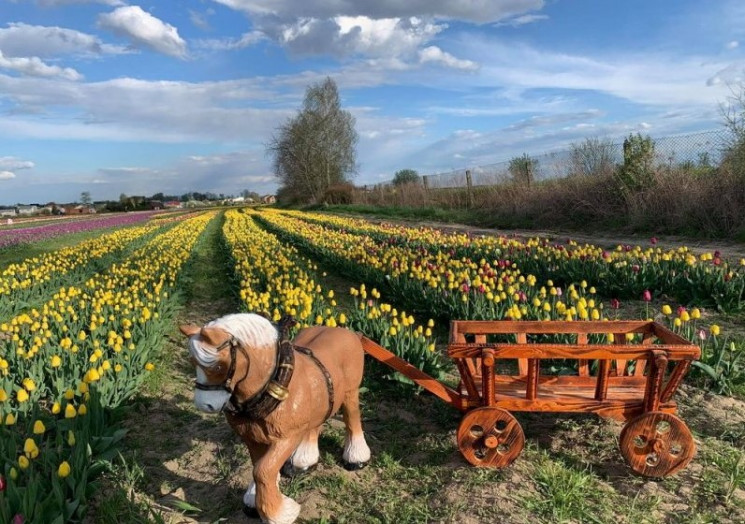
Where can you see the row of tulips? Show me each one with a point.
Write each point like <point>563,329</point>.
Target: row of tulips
<point>440,283</point>
<point>276,279</point>
<point>624,272</point>
<point>23,283</point>
<point>64,366</point>
<point>15,236</point>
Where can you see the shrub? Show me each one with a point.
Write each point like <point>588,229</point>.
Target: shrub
<point>339,194</point>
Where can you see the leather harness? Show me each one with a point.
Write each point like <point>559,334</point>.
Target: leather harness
<point>275,390</point>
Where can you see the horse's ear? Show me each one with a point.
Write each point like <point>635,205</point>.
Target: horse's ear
<point>212,335</point>
<point>189,329</point>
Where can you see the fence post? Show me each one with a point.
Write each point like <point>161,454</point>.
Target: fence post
<point>469,188</point>
<point>425,181</point>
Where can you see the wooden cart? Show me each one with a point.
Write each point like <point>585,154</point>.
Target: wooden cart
<point>631,379</point>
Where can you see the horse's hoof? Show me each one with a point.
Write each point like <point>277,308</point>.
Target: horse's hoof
<point>290,471</point>
<point>250,512</point>
<point>353,466</point>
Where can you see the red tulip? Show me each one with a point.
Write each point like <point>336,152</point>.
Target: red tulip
<point>647,296</point>
<point>653,240</point>
<point>614,303</point>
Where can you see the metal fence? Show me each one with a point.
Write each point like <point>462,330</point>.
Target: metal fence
<point>697,149</point>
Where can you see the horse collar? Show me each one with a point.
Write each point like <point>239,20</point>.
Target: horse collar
<point>274,391</point>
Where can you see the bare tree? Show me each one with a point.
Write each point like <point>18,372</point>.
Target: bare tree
<point>317,148</point>
<point>594,156</point>
<point>733,114</point>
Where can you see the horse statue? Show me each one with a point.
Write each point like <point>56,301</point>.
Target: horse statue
<point>277,394</point>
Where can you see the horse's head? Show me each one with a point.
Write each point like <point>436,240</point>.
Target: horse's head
<point>230,351</point>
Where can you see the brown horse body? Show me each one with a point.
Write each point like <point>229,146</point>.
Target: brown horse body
<point>290,432</point>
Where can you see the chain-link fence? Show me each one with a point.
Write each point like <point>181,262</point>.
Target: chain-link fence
<point>594,155</point>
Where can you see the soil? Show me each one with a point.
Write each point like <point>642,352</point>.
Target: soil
<point>417,473</point>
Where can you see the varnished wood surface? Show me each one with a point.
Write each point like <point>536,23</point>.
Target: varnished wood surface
<point>490,437</point>
<point>657,444</point>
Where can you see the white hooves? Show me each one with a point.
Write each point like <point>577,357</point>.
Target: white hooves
<point>356,452</point>
<point>288,512</point>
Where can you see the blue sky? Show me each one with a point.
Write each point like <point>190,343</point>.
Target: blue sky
<point>117,96</point>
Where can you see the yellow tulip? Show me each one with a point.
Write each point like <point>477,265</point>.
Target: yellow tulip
<point>39,428</point>
<point>69,394</point>
<point>22,396</point>
<point>64,469</point>
<point>666,310</point>
<point>10,419</point>
<point>3,395</point>
<point>149,366</point>
<point>70,411</point>
<point>82,410</point>
<point>14,473</point>
<point>23,462</point>
<point>714,330</point>
<point>29,384</point>
<point>56,408</point>
<point>695,313</point>
<point>70,438</point>
<point>56,361</point>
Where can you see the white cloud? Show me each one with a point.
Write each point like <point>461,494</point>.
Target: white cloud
<point>144,29</point>
<point>230,44</point>
<point>11,162</point>
<point>478,11</point>
<point>6,175</point>
<point>732,45</point>
<point>200,19</point>
<point>436,55</point>
<point>23,40</point>
<point>34,66</point>
<point>521,20</point>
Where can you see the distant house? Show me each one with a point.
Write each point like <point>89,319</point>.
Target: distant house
<point>8,212</point>
<point>155,204</point>
<point>79,210</point>
<point>172,204</point>
<point>26,210</point>
<point>269,199</point>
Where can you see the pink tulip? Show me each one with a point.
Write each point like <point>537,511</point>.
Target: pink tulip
<point>653,240</point>
<point>647,296</point>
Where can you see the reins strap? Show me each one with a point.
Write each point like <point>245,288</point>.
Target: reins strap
<point>326,375</point>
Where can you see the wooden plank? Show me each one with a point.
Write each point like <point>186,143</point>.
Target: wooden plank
<point>552,326</point>
<point>653,390</point>
<point>534,370</point>
<point>620,364</point>
<point>641,363</point>
<point>669,337</point>
<point>435,387</point>
<point>487,374</point>
<point>601,389</point>
<point>572,351</point>
<point>584,364</point>
<point>681,368</point>
<point>466,367</point>
<point>522,363</point>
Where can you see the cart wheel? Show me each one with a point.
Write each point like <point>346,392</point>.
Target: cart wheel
<point>657,444</point>
<point>490,437</point>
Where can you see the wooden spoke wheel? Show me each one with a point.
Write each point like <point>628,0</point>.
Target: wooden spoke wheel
<point>490,437</point>
<point>657,444</point>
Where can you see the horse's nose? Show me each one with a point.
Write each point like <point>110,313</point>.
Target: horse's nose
<point>210,407</point>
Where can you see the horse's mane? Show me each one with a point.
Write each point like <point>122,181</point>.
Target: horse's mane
<point>250,330</point>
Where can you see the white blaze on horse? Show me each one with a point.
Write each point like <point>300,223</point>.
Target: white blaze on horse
<point>277,394</point>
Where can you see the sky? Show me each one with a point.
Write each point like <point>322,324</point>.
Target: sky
<point>119,96</point>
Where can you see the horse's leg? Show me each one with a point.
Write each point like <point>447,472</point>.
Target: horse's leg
<point>305,456</point>
<point>249,498</point>
<point>356,452</point>
<point>273,506</point>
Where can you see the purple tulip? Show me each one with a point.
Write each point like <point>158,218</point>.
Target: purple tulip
<point>25,235</point>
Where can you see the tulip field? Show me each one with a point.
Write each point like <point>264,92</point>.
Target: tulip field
<point>83,328</point>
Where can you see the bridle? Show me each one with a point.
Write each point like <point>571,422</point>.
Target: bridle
<point>226,386</point>
<point>275,389</point>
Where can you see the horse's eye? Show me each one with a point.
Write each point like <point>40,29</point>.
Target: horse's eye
<point>217,368</point>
